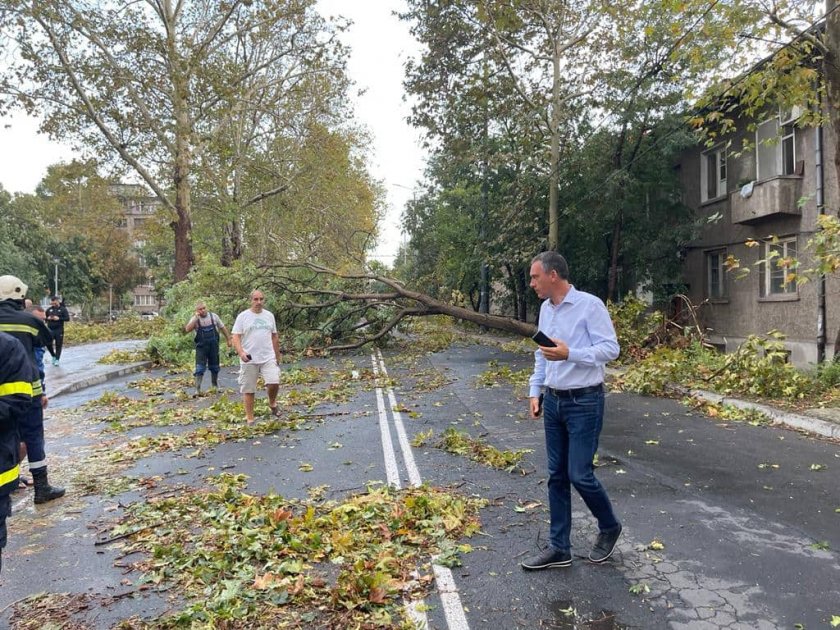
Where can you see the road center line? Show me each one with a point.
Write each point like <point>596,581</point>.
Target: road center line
<point>391,470</point>
<point>453,608</point>
<point>415,608</point>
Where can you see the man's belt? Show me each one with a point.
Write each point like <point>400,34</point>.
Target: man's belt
<point>580,391</point>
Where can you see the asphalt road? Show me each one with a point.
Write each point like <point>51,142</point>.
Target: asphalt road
<point>745,516</point>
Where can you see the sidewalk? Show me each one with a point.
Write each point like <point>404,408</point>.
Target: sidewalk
<point>79,366</point>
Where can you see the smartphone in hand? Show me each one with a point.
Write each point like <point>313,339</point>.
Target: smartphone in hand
<point>542,339</point>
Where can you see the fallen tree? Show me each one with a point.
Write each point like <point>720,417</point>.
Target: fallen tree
<point>363,306</point>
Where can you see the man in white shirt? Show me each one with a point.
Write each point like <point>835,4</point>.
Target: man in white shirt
<point>570,374</point>
<point>255,341</point>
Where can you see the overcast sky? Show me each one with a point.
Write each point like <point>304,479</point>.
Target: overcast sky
<point>380,44</point>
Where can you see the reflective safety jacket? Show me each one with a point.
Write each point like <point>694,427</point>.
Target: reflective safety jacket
<point>30,331</point>
<point>16,376</point>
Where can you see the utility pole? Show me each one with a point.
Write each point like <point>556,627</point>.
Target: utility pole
<point>55,262</point>
<point>484,271</point>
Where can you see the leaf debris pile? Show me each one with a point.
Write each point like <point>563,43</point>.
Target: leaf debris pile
<point>265,561</point>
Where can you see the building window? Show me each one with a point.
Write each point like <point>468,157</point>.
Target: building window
<point>775,149</point>
<point>145,300</point>
<point>716,274</point>
<point>713,174</point>
<point>779,255</point>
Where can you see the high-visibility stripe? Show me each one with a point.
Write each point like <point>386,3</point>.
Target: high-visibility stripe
<point>19,328</point>
<point>9,476</point>
<point>37,388</point>
<point>16,387</point>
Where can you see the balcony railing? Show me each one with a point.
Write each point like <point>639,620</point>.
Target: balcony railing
<point>770,198</point>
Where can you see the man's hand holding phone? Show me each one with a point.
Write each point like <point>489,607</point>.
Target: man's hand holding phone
<point>552,349</point>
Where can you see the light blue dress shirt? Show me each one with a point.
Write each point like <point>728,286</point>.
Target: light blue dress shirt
<point>583,322</point>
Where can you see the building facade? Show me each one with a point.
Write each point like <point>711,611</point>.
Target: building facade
<point>139,207</point>
<point>758,204</point>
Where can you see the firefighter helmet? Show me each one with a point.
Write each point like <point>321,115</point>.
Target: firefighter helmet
<point>11,288</point>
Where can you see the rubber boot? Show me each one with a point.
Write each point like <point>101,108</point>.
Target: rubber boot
<point>214,379</point>
<point>198,380</point>
<point>43,490</point>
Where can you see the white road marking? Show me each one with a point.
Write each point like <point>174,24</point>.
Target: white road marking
<point>415,608</point>
<point>453,608</point>
<point>391,470</point>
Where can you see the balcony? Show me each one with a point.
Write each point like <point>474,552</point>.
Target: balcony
<point>776,197</point>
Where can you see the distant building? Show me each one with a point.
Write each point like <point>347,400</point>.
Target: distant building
<point>139,206</point>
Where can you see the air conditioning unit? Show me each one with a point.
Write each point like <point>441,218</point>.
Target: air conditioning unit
<point>790,115</point>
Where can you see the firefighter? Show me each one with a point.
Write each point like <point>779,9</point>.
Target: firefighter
<point>16,376</point>
<point>31,332</point>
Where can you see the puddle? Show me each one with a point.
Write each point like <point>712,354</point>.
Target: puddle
<point>567,617</point>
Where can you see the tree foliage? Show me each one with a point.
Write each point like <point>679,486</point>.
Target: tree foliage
<point>176,91</point>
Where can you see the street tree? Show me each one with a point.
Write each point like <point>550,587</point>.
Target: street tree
<point>150,83</point>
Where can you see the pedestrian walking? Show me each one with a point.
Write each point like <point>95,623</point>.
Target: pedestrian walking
<point>56,315</point>
<point>570,377</point>
<point>256,342</point>
<point>16,376</point>
<point>207,327</point>
<point>32,333</point>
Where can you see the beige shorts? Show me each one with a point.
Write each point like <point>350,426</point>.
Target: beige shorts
<point>250,372</point>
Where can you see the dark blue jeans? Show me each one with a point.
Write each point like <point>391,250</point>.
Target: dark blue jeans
<point>572,428</point>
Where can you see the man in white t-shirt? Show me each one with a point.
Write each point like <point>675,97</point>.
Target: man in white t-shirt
<point>256,342</point>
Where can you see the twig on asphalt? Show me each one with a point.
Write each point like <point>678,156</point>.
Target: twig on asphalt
<point>108,541</point>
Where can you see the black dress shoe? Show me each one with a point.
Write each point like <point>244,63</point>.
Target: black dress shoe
<point>548,559</point>
<point>605,545</point>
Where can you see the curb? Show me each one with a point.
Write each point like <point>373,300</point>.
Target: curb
<point>100,378</point>
<point>793,420</point>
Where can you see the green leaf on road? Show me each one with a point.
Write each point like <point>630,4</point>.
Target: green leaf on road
<point>817,467</point>
<point>835,621</point>
<point>305,467</point>
<point>652,442</point>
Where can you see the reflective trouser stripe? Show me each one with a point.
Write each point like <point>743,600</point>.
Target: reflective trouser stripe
<point>40,464</point>
<point>9,476</point>
<point>16,387</point>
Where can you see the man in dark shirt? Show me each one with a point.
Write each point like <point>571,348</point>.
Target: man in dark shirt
<point>56,316</point>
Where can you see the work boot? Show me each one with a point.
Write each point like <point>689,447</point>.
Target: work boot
<point>214,380</point>
<point>43,490</point>
<point>198,379</point>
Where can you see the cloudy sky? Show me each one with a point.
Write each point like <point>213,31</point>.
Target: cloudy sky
<point>380,44</point>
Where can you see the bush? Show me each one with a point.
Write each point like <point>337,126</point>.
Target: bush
<point>758,368</point>
<point>633,327</point>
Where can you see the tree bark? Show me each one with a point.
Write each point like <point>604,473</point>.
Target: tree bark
<point>182,225</point>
